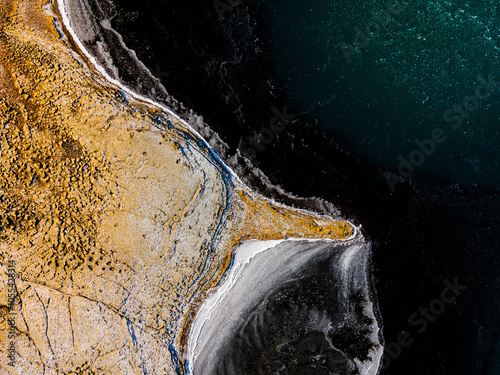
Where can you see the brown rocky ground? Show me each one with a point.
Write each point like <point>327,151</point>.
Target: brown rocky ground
<point>118,226</point>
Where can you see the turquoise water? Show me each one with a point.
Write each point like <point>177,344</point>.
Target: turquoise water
<point>428,57</point>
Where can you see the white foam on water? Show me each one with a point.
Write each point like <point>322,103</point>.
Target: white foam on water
<point>347,261</point>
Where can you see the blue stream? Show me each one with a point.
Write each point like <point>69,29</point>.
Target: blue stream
<point>208,153</point>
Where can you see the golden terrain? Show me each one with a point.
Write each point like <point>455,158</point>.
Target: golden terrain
<point>119,227</point>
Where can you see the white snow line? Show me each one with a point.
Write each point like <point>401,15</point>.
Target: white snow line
<point>243,255</point>
<point>67,23</point>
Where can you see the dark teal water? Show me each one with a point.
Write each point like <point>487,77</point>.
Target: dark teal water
<point>394,91</point>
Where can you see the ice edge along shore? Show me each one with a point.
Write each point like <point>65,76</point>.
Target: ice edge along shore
<point>245,252</point>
